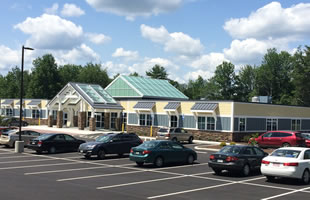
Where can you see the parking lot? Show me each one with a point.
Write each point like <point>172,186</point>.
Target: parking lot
<point>69,176</point>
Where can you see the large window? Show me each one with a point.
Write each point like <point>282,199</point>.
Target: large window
<point>272,124</point>
<point>173,121</point>
<point>209,121</point>
<point>54,114</point>
<point>9,112</point>
<point>296,124</point>
<point>145,120</point>
<point>113,120</point>
<point>35,114</point>
<point>242,122</point>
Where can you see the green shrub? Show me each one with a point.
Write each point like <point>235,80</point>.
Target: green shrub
<point>252,141</point>
<point>232,143</point>
<point>222,144</point>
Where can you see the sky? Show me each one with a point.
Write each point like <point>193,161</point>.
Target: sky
<point>187,37</point>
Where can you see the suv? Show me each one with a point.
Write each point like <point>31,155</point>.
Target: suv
<point>111,143</point>
<point>280,139</point>
<point>174,134</point>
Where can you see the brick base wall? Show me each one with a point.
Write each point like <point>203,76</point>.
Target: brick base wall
<point>142,130</point>
<point>35,121</point>
<point>50,122</point>
<point>92,124</point>
<point>81,120</point>
<point>59,119</point>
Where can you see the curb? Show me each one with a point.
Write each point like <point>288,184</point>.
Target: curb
<point>206,149</point>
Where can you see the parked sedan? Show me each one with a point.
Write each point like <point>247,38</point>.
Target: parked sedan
<point>289,162</point>
<point>280,139</point>
<point>11,121</point>
<point>160,152</point>
<point>174,134</point>
<point>119,143</point>
<point>9,138</point>
<point>55,142</point>
<point>237,158</point>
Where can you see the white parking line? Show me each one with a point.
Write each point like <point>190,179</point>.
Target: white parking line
<point>43,165</point>
<point>9,157</point>
<point>287,193</point>
<point>6,152</point>
<point>37,160</point>
<point>201,152</point>
<point>65,170</point>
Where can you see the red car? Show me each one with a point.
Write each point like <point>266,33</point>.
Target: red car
<point>280,139</point>
<point>307,138</point>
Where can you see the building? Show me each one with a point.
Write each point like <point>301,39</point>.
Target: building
<point>143,105</point>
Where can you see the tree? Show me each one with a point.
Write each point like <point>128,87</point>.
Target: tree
<point>45,80</point>
<point>134,74</point>
<point>69,73</point>
<point>92,73</point>
<point>196,89</point>
<point>246,83</point>
<point>157,72</point>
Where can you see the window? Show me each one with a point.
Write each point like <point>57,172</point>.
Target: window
<point>202,123</point>
<point>242,122</point>
<point>249,151</point>
<point>69,138</point>
<point>210,123</point>
<point>9,112</point>
<point>296,124</point>
<point>173,121</point>
<point>258,152</point>
<point>54,114</point>
<point>307,155</point>
<point>59,138</point>
<point>145,120</point>
<point>125,120</point>
<point>272,124</point>
<point>113,120</point>
<point>35,114</point>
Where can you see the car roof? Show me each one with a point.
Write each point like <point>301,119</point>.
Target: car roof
<point>283,131</point>
<point>295,148</point>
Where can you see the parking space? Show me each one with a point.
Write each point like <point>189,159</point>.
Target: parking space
<point>70,176</point>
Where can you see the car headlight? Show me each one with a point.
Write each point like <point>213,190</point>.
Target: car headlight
<point>90,146</point>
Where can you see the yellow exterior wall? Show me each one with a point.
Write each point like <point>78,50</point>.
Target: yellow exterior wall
<point>243,109</point>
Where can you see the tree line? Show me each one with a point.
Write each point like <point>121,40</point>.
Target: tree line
<point>283,76</point>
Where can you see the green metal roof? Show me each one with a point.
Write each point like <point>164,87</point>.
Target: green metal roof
<point>132,86</point>
<point>96,93</point>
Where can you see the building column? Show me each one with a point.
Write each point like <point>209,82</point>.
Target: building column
<point>59,119</point>
<point>118,124</point>
<point>50,121</point>
<point>75,120</point>
<point>92,124</point>
<point>81,120</point>
<point>106,120</point>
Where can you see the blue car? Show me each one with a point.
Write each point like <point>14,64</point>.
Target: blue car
<point>160,152</point>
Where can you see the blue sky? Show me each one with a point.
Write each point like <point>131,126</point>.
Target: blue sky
<point>187,37</point>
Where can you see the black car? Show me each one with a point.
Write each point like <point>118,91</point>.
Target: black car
<point>113,143</point>
<point>237,158</point>
<point>11,121</point>
<point>55,142</point>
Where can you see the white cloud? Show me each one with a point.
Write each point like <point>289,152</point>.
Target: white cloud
<point>52,10</point>
<point>272,22</point>
<point>8,58</point>
<point>128,55</point>
<point>177,42</point>
<point>134,8</point>
<point>71,10</point>
<point>51,32</point>
<point>209,62</point>
<point>194,75</point>
<point>98,38</point>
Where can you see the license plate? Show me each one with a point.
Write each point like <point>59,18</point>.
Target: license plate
<point>276,164</point>
<point>33,142</point>
<point>137,153</point>
<point>220,161</point>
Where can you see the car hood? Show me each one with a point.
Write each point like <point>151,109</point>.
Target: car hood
<point>84,145</point>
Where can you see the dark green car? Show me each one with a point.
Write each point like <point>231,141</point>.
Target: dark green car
<point>160,152</point>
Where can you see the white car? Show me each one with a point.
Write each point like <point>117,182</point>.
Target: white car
<point>289,162</point>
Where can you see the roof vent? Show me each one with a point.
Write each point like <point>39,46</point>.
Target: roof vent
<point>262,99</point>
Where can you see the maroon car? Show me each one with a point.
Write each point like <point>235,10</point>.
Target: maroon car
<point>280,139</point>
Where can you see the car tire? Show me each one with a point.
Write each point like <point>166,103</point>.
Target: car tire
<point>174,139</point>
<point>140,164</point>
<point>52,150</point>
<point>190,159</point>
<point>217,171</point>
<point>305,177</point>
<point>190,140</point>
<point>101,154</point>
<point>245,170</point>
<point>87,156</point>
<point>38,151</point>
<point>285,144</point>
<point>270,178</point>
<point>159,161</point>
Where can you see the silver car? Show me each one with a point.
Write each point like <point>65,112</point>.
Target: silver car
<point>174,134</point>
<point>10,137</point>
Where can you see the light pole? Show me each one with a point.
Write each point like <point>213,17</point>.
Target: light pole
<point>18,148</point>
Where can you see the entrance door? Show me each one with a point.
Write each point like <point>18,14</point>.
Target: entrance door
<point>99,120</point>
<point>65,118</point>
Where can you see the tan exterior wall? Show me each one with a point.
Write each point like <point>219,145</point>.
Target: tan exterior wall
<point>246,109</point>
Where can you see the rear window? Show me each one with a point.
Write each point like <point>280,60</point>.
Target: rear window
<point>150,144</point>
<point>230,149</point>
<point>104,138</point>
<point>44,136</point>
<point>286,153</point>
<point>298,135</point>
<point>163,130</point>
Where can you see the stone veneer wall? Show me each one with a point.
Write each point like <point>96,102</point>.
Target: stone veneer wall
<point>92,124</point>
<point>82,120</point>
<point>36,121</point>
<point>60,119</point>
<point>107,120</point>
<point>142,130</point>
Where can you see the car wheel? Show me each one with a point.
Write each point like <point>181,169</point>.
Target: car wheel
<point>190,140</point>
<point>190,159</point>
<point>140,164</point>
<point>38,151</point>
<point>245,170</point>
<point>305,177</point>
<point>286,144</point>
<point>87,156</point>
<point>270,178</point>
<point>159,162</point>
<point>52,150</point>
<point>217,171</point>
<point>174,139</point>
<point>101,154</point>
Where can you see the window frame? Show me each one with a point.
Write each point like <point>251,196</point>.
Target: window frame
<point>273,124</point>
<point>173,121</point>
<point>35,113</point>
<point>242,124</point>
<point>295,126</point>
<point>147,119</point>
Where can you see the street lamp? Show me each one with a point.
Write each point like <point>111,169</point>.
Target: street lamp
<point>21,99</point>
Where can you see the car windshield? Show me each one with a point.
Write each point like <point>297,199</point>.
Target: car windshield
<point>286,153</point>
<point>230,149</point>
<point>44,136</point>
<point>104,138</point>
<point>149,144</point>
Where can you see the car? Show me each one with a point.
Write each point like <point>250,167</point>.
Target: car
<point>280,139</point>
<point>4,129</point>
<point>237,158</point>
<point>54,143</point>
<point>12,121</point>
<point>112,143</point>
<point>174,134</point>
<point>9,137</point>
<point>161,152</point>
<point>307,138</point>
<point>288,162</point>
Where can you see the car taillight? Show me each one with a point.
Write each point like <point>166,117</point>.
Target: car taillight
<point>290,164</point>
<point>131,151</point>
<point>168,135</point>
<point>146,152</point>
<point>40,143</point>
<point>212,157</point>
<point>265,162</point>
<point>231,158</point>
<point>141,140</point>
